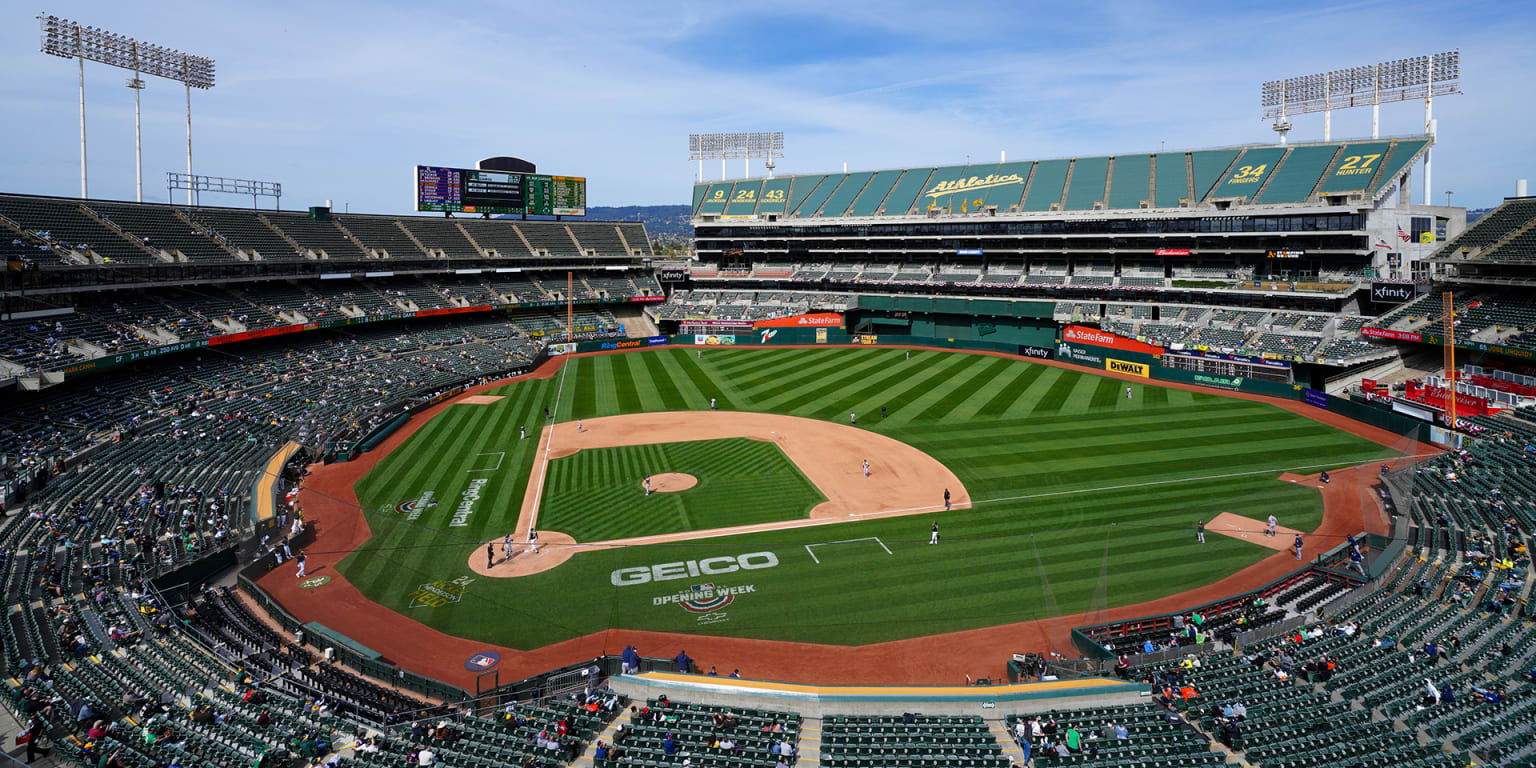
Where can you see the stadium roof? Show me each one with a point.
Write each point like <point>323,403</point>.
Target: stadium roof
<point>1257,175</point>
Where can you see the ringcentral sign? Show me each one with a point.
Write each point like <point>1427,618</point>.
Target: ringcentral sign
<point>684,569</point>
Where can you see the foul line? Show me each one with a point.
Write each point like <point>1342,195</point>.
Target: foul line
<point>533,521</point>
<point>875,539</point>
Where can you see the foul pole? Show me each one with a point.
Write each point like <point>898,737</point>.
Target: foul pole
<point>1450,353</point>
<point>570,322</point>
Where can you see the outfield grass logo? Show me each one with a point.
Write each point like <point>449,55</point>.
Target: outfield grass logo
<point>709,566</point>
<point>467,503</point>
<point>707,601</point>
<point>440,593</point>
<point>412,508</point>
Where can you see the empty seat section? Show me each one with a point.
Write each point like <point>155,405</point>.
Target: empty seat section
<point>1132,182</point>
<point>1208,168</point>
<point>1087,187</point>
<point>904,195</point>
<point>1354,168</point>
<point>1247,177</point>
<point>1006,190</point>
<point>158,227</point>
<point>743,199</point>
<point>1298,174</point>
<point>1045,188</point>
<point>1402,154</point>
<point>868,203</point>
<point>603,238</point>
<point>1172,180</point>
<point>501,237</point>
<point>775,192</point>
<point>699,190</point>
<point>380,233</point>
<point>315,235</point>
<point>441,235</point>
<point>819,195</point>
<point>245,231</point>
<point>837,203</point>
<point>800,188</point>
<point>64,223</point>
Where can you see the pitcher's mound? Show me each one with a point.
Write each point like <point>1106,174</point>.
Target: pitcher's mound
<point>1251,530</point>
<point>554,548</point>
<point>671,482</point>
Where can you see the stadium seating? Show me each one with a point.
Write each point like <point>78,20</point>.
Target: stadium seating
<point>1510,217</point>
<point>922,741</point>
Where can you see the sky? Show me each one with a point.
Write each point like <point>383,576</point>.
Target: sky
<point>340,99</point>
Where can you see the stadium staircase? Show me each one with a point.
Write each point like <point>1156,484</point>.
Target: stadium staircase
<point>808,748</point>
<point>233,252</point>
<point>308,254</point>
<point>137,243</point>
<point>409,235</point>
<point>516,230</point>
<point>471,238</point>
<point>581,249</point>
<point>361,246</point>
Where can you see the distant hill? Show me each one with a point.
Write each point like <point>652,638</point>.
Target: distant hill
<point>661,221</point>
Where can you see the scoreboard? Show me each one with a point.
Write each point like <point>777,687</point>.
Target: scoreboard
<point>464,190</point>
<point>556,195</point>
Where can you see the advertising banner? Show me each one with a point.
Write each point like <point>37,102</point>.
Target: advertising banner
<point>1134,369</point>
<point>1172,252</point>
<point>1315,398</point>
<point>1079,354</point>
<point>868,339</point>
<point>812,320</point>
<point>821,335</point>
<point>263,333</point>
<point>563,348</point>
<point>1078,334</point>
<point>644,299</point>
<point>1383,333</point>
<point>451,311</point>
<point>624,344</point>
<point>1038,353</point>
<point>655,341</point>
<point>713,340</point>
<point>1391,293</point>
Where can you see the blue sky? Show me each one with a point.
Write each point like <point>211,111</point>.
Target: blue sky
<point>339,100</point>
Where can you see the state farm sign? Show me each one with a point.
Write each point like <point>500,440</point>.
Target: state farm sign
<point>1078,334</point>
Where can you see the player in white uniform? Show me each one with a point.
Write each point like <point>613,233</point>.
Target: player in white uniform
<point>866,467</point>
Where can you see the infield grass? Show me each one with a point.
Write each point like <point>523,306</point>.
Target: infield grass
<point>596,494</point>
<point>1086,499</point>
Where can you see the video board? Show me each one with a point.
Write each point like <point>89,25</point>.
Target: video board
<point>464,190</point>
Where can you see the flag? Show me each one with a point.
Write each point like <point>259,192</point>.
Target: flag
<point>1401,235</point>
<point>963,204</point>
<point>1381,243</point>
<point>1426,238</point>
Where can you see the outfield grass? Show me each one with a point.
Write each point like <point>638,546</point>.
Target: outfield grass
<point>1087,499</point>
<point>596,494</point>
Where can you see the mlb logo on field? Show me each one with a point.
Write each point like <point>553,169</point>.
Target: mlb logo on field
<point>482,660</point>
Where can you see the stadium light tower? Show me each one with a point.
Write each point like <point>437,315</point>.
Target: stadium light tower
<point>69,40</point>
<point>1373,84</point>
<point>767,145</point>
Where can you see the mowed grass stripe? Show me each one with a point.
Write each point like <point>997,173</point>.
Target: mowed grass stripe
<point>962,394</point>
<point>662,380</point>
<point>880,386</point>
<point>1105,394</point>
<point>804,392</point>
<point>934,377</point>
<point>750,379</point>
<point>1154,395</point>
<point>917,403</point>
<point>583,378</point>
<point>1011,392</point>
<point>706,385</point>
<point>1055,397</point>
<point>623,382</point>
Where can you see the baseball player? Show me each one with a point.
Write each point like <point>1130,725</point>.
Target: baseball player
<point>1357,561</point>
<point>866,467</point>
<point>1269,530</point>
<point>909,354</point>
<point>946,499</point>
<point>699,355</point>
<point>1323,477</point>
<point>853,418</point>
<point>533,540</point>
<point>1200,530</point>
<point>711,403</point>
<point>522,433</point>
<point>490,555</point>
<point>506,545</point>
<point>1127,393</point>
<point>647,485</point>
<point>300,561</point>
<point>1297,545</point>
<point>578,425</point>
<point>933,536</point>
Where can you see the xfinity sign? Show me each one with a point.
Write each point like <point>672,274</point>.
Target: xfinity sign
<point>1391,293</point>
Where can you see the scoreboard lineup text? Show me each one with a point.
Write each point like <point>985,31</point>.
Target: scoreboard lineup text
<point>463,190</point>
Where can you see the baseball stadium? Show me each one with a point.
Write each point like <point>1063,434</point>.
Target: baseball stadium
<point>1206,457</point>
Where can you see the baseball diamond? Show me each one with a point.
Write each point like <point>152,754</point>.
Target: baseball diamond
<point>1063,472</point>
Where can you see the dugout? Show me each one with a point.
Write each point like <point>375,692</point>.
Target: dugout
<point>995,321</point>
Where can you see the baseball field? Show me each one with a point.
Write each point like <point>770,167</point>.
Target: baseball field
<point>1081,498</point>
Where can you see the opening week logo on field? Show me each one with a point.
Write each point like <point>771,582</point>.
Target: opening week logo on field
<point>439,593</point>
<point>707,601</point>
<point>412,508</point>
